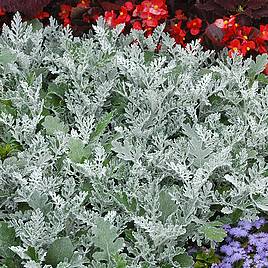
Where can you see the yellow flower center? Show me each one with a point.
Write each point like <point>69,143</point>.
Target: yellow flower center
<point>156,7</point>
<point>245,37</point>
<point>248,48</point>
<point>236,25</point>
<point>149,18</point>
<point>121,13</point>
<point>225,22</point>
<point>235,49</point>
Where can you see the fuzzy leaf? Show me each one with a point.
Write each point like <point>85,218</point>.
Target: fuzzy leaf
<point>258,66</point>
<point>59,250</point>
<point>105,238</point>
<point>53,125</point>
<point>77,150</point>
<point>184,260</point>
<point>213,233</point>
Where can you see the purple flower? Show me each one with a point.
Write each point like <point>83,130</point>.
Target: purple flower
<point>238,232</point>
<point>236,257</point>
<point>244,243</point>
<point>259,223</point>
<point>246,225</point>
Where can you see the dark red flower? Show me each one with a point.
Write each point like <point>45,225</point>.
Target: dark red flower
<point>123,17</point>
<point>150,22</point>
<point>136,25</point>
<point>110,17</point>
<point>180,15</point>
<point>194,26</point>
<point>235,47</point>
<point>177,33</point>
<point>247,46</point>
<point>65,11</point>
<point>84,3</point>
<point>129,6</point>
<point>42,15</point>
<point>264,32</point>
<point>2,12</point>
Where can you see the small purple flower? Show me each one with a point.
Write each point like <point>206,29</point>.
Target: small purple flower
<point>246,225</point>
<point>238,232</point>
<point>245,243</point>
<point>259,223</point>
<point>236,257</point>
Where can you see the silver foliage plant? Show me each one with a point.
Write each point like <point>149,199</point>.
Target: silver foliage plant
<point>118,156</point>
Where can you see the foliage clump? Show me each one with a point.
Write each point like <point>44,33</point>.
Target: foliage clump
<point>113,155</point>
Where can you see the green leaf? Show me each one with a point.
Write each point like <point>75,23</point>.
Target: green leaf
<point>7,239</point>
<point>77,150</point>
<point>53,125</point>
<point>262,78</point>
<point>259,65</point>
<point>6,56</point>
<point>213,233</point>
<point>120,262</point>
<point>105,238</point>
<point>36,24</point>
<point>32,253</point>
<point>184,260</point>
<point>101,126</point>
<point>261,202</point>
<point>59,250</point>
<point>167,205</point>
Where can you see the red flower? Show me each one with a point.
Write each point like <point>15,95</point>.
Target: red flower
<point>129,6</point>
<point>136,25</point>
<point>194,26</point>
<point>84,3</point>
<point>265,71</point>
<point>153,8</point>
<point>177,33</point>
<point>123,16</point>
<point>261,46</point>
<point>42,15</point>
<point>264,32</point>
<point>2,12</point>
<point>150,22</point>
<point>247,46</point>
<point>110,17</point>
<point>241,48</point>
<point>65,10</point>
<point>245,32</point>
<point>180,15</point>
<point>235,46</point>
<point>158,8</point>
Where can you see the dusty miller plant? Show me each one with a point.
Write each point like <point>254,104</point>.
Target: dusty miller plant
<point>115,153</point>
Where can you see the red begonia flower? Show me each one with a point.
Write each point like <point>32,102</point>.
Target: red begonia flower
<point>65,11</point>
<point>136,25</point>
<point>194,26</point>
<point>247,46</point>
<point>264,32</point>
<point>42,15</point>
<point>84,3</point>
<point>129,6</point>
<point>180,15</point>
<point>123,16</point>
<point>2,12</point>
<point>177,33</point>
<point>235,46</point>
<point>110,17</point>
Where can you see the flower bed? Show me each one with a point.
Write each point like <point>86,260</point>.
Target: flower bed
<point>120,152</point>
<point>241,26</point>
